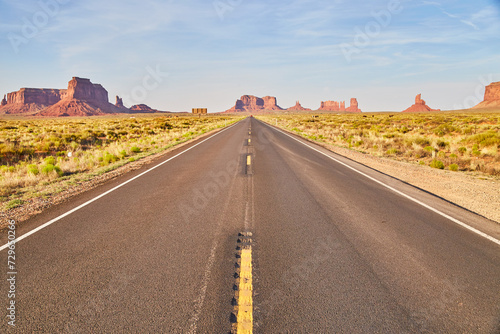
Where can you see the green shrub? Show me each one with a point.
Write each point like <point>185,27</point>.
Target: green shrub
<point>462,150</point>
<point>422,141</point>
<point>392,151</point>
<point>58,170</point>
<point>437,164</point>
<point>429,149</point>
<point>135,149</point>
<point>492,141</point>
<point>453,167</point>
<point>404,129</point>
<point>50,160</point>
<point>442,144</point>
<point>49,168</point>
<point>489,138</point>
<point>33,169</point>
<point>15,203</point>
<point>444,129</point>
<point>108,158</point>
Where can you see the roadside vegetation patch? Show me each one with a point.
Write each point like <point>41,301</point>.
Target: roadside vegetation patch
<point>461,142</point>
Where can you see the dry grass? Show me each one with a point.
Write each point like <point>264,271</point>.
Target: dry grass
<point>458,142</point>
<point>41,157</point>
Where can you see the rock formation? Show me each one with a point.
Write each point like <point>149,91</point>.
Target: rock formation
<point>82,98</point>
<point>119,102</point>
<point>491,96</point>
<point>420,106</point>
<point>298,107</point>
<point>83,89</point>
<point>331,106</point>
<point>340,106</point>
<point>354,106</point>
<point>142,108</point>
<point>271,103</point>
<point>253,103</point>
<point>45,97</point>
<point>30,100</point>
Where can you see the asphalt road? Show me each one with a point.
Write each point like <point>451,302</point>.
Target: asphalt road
<point>333,250</point>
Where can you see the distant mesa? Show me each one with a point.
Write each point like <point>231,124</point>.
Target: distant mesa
<point>340,106</point>
<point>31,100</point>
<point>4,101</point>
<point>420,106</point>
<point>81,98</point>
<point>253,103</point>
<point>491,96</point>
<point>144,109</point>
<point>298,107</point>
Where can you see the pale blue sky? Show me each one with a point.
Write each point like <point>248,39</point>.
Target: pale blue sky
<point>216,51</point>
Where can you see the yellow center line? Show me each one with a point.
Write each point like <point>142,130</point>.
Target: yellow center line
<point>249,160</point>
<point>245,301</point>
<point>249,141</point>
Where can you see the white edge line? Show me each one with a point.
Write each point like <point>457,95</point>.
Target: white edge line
<point>27,234</point>
<point>470,228</point>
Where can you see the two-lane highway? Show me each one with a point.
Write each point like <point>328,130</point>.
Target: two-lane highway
<point>333,251</point>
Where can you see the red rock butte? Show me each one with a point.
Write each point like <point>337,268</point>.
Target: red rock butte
<point>420,106</point>
<point>81,98</point>
<point>491,96</point>
<point>253,103</point>
<point>298,107</point>
<point>340,106</point>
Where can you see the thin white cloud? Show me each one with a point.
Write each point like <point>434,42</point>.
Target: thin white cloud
<point>469,23</point>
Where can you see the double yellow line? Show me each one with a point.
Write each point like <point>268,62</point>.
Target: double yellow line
<point>245,296</point>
